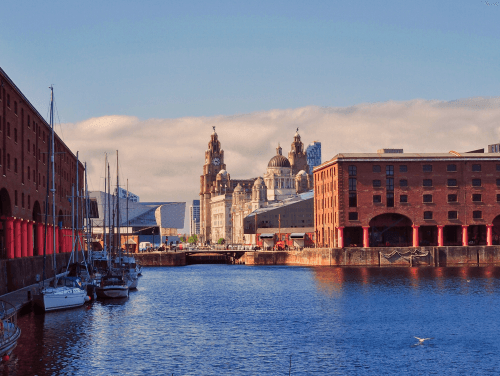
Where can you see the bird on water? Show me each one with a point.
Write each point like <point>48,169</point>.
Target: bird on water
<point>421,340</point>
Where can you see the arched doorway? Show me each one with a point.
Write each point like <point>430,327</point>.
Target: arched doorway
<point>37,212</point>
<point>60,219</point>
<point>496,230</point>
<point>5,211</point>
<point>390,230</point>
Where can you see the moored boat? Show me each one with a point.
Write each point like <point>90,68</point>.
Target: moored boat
<point>68,292</point>
<point>112,286</point>
<point>9,331</point>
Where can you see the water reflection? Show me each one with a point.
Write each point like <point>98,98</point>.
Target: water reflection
<point>333,279</point>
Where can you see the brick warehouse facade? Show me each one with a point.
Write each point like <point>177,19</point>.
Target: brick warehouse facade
<point>24,146</point>
<point>405,199</point>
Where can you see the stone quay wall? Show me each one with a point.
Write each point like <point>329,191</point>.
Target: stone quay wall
<point>21,272</point>
<point>161,258</point>
<point>381,257</point>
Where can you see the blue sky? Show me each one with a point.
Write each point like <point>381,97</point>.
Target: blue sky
<point>163,59</point>
<point>151,78</point>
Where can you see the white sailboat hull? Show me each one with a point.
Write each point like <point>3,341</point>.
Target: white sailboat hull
<point>54,298</point>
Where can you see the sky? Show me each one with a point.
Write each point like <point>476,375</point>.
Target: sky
<point>151,78</point>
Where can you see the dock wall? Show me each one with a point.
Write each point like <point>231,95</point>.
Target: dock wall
<point>21,272</point>
<point>161,259</point>
<point>381,257</point>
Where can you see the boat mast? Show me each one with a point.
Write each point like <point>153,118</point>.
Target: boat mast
<point>118,210</point>
<point>53,189</point>
<point>127,219</point>
<point>105,201</point>
<point>109,217</point>
<point>77,227</point>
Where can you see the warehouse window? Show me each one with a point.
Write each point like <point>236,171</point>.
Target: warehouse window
<point>476,167</point>
<point>376,168</point>
<point>427,183</point>
<point>389,170</point>
<point>452,214</point>
<point>476,197</point>
<point>390,200</point>
<point>353,216</point>
<point>403,183</point>
<point>451,168</point>
<point>427,168</point>
<point>452,182</point>
<point>452,198</point>
<point>377,199</point>
<point>403,168</point>
<point>377,183</point>
<point>477,214</point>
<point>403,198</point>
<point>352,170</point>
<point>476,182</point>
<point>427,198</point>
<point>427,215</point>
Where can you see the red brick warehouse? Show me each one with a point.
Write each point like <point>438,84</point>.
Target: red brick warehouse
<point>407,199</point>
<point>24,146</point>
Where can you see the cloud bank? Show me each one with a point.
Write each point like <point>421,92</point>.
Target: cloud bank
<point>163,158</point>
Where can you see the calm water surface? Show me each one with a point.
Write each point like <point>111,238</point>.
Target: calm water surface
<point>243,320</point>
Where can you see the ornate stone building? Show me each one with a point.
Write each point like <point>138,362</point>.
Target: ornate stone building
<point>224,203</point>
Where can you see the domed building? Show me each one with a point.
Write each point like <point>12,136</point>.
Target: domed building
<point>278,177</point>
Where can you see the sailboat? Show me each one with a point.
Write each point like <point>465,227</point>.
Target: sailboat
<point>114,284</point>
<point>63,292</point>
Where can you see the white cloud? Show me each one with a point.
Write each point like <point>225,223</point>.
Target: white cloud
<point>163,158</point>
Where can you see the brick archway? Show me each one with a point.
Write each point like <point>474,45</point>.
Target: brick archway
<point>390,230</point>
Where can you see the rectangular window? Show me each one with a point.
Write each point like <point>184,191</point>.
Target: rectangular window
<point>377,183</point>
<point>29,202</point>
<point>376,168</point>
<point>452,198</point>
<point>498,167</point>
<point>476,182</point>
<point>377,199</point>
<point>15,198</point>
<point>427,215</point>
<point>452,214</point>
<point>477,214</point>
<point>427,198</point>
<point>476,167</point>
<point>451,182</point>
<point>389,183</point>
<point>427,183</point>
<point>451,168</point>
<point>390,200</point>
<point>352,170</point>
<point>427,168</point>
<point>498,197</point>
<point>22,200</point>
<point>8,129</point>
<point>476,197</point>
<point>15,135</point>
<point>29,173</point>
<point>353,200</point>
<point>403,168</point>
<point>353,216</point>
<point>403,183</point>
<point>498,182</point>
<point>389,170</point>
<point>403,198</point>
<point>352,184</point>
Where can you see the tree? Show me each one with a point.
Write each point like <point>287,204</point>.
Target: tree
<point>182,239</point>
<point>220,241</point>
<point>193,239</point>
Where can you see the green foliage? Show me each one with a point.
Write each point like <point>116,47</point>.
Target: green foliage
<point>182,239</point>
<point>221,241</point>
<point>192,239</point>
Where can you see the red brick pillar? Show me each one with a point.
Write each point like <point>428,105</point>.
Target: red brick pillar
<point>50,239</point>
<point>465,236</point>
<point>415,235</point>
<point>489,234</point>
<point>24,238</point>
<point>341,236</point>
<point>17,238</point>
<point>58,237</point>
<point>39,238</point>
<point>440,236</point>
<point>366,239</point>
<point>9,237</point>
<point>29,226</point>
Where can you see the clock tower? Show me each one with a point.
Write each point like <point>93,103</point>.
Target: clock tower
<point>214,162</point>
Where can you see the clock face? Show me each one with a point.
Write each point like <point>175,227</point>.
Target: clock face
<point>216,161</point>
